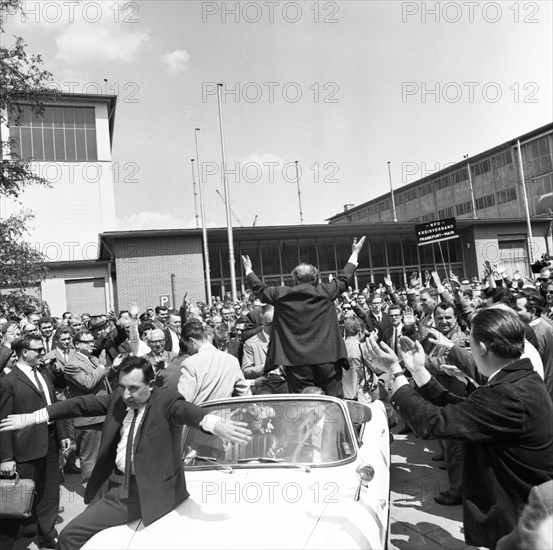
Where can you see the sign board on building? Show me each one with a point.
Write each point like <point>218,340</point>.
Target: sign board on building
<point>165,300</point>
<point>436,231</point>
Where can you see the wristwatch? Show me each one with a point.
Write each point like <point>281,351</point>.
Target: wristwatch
<point>396,375</point>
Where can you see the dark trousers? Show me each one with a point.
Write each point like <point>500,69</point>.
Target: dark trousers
<point>106,512</point>
<point>270,384</point>
<point>327,376</point>
<point>452,449</point>
<point>40,527</point>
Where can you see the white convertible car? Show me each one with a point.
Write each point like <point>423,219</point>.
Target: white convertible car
<point>314,475</point>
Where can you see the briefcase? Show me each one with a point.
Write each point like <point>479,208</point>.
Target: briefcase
<point>16,497</point>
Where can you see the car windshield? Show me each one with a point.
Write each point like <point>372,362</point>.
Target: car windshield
<point>284,432</point>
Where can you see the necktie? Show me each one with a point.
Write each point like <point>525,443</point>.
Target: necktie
<point>128,457</point>
<point>39,385</point>
<point>47,345</point>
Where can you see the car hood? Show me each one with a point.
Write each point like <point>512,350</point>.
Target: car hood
<point>261,508</point>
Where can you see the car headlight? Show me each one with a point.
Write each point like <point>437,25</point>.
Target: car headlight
<point>365,473</point>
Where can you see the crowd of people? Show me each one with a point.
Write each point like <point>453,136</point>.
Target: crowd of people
<point>478,352</point>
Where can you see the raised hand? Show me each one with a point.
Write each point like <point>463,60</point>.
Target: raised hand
<point>415,358</point>
<point>357,246</point>
<point>247,263</point>
<point>134,310</point>
<point>388,282</point>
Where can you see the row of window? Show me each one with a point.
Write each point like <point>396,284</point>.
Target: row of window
<point>466,207</point>
<point>60,134</point>
<point>276,257</point>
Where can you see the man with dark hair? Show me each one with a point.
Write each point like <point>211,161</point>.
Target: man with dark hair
<point>445,321</point>
<point>208,373</point>
<point>306,337</point>
<point>160,319</point>
<point>34,453</point>
<point>46,327</point>
<point>530,306</point>
<point>140,453</point>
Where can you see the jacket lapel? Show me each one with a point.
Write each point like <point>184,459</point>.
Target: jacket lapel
<point>25,379</point>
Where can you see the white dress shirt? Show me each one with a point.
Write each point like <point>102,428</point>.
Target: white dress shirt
<point>121,453</point>
<point>29,373</point>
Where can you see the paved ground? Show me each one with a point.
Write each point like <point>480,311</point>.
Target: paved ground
<point>417,522</point>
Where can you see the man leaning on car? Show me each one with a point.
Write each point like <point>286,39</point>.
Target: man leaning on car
<point>144,473</point>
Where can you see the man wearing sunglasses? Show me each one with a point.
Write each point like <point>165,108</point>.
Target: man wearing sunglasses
<point>85,376</point>
<point>33,453</point>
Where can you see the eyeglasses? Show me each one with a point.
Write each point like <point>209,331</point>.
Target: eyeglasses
<point>36,350</point>
<point>84,342</point>
<point>157,341</point>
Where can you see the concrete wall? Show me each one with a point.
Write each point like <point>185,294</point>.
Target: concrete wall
<point>53,288</point>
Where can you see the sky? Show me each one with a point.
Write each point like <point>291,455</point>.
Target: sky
<point>342,87</point>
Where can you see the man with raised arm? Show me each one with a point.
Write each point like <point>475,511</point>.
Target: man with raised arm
<point>140,450</point>
<point>306,337</point>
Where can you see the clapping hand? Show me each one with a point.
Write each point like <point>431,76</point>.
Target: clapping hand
<point>438,339</point>
<point>382,354</point>
<point>414,358</point>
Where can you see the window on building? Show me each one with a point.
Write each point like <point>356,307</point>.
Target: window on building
<point>214,261</point>
<point>308,251</point>
<point>464,208</point>
<point>393,248</point>
<point>481,167</point>
<point>507,195</point>
<point>446,213</point>
<point>485,202</point>
<point>270,258</point>
<point>514,255</point>
<point>289,254</point>
<point>536,157</point>
<point>410,255</point>
<point>60,134</point>
<point>327,260</point>
<point>86,295</point>
<point>378,253</point>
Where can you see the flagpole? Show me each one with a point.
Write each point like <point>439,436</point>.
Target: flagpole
<point>227,197</point>
<point>525,195</point>
<point>299,192</point>
<point>473,202</point>
<point>204,225</point>
<point>195,196</point>
<point>392,192</point>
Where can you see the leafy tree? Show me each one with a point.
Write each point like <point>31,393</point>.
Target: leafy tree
<point>22,80</point>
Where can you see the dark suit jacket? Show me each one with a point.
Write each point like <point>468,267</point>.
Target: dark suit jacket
<point>5,354</point>
<point>305,323</point>
<point>19,395</point>
<point>507,441</point>
<point>157,458</point>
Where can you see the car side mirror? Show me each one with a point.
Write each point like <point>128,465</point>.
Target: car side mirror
<point>359,413</point>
